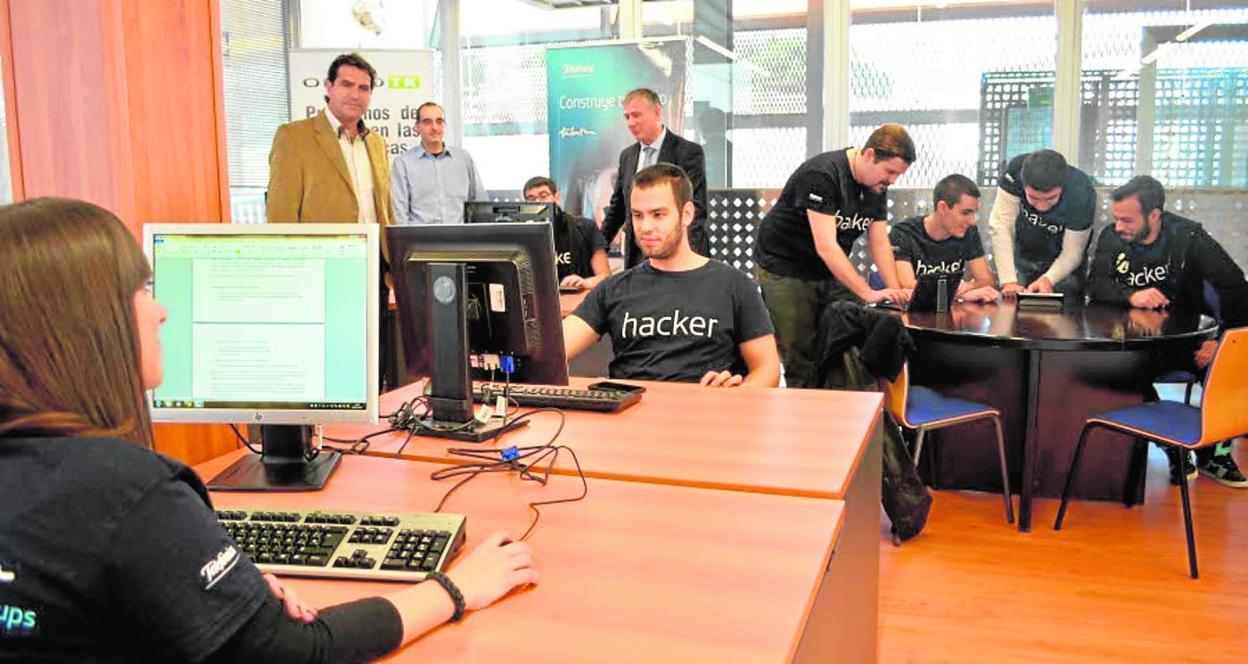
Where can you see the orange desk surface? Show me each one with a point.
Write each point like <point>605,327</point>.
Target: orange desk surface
<point>766,440</point>
<point>568,302</point>
<point>633,573</point>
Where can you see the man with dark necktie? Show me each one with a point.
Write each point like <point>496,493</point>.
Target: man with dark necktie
<point>655,144</point>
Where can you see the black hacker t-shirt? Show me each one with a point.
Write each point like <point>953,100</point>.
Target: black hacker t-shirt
<point>823,184</point>
<point>676,326</point>
<point>1137,266</point>
<point>1038,235</point>
<point>111,553</point>
<point>931,258</point>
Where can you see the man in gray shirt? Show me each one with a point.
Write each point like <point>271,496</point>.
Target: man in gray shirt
<point>430,182</point>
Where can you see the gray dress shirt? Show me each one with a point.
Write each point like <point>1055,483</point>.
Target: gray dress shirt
<point>431,189</point>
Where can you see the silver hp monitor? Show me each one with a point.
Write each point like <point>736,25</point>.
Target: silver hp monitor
<point>269,324</point>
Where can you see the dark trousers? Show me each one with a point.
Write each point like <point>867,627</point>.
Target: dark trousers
<point>795,306</point>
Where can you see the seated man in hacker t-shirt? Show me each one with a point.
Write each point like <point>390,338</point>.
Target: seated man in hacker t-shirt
<point>677,316</point>
<point>945,243</point>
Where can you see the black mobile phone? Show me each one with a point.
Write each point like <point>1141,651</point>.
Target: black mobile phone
<point>616,387</point>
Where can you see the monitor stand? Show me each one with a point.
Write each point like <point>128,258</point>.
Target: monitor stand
<point>283,465</point>
<point>471,431</point>
<point>450,385</point>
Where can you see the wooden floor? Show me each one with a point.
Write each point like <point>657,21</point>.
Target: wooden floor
<point>1112,586</point>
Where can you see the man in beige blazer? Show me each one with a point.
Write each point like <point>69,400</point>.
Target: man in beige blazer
<point>331,168</point>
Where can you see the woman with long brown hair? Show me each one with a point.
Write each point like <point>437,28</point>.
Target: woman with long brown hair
<point>103,541</point>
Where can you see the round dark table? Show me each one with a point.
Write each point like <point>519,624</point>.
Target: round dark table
<point>1047,369</point>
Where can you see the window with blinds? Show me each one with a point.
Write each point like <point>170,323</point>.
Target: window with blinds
<point>253,48</point>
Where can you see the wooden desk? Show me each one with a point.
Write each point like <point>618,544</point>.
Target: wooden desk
<point>1047,371</point>
<point>635,572</point>
<point>810,443</point>
<point>770,440</point>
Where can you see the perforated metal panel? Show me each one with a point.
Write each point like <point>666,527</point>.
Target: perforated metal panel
<point>1109,128</point>
<point>1200,137</point>
<point>505,85</point>
<point>942,148</point>
<point>780,86</point>
<point>764,157</point>
<point>926,75</point>
<point>1016,117</point>
<point>1111,40</point>
<point>1223,213</point>
<point>733,216</point>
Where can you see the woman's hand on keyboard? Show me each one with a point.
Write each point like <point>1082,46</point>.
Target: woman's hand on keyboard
<point>492,569</point>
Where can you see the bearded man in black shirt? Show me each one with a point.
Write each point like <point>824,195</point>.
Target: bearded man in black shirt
<point>805,240</point>
<point>1153,259</point>
<point>677,316</point>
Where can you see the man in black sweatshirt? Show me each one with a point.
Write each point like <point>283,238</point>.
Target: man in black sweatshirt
<point>1155,259</point>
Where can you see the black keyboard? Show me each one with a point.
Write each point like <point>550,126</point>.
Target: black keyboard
<point>348,545</point>
<point>545,396</point>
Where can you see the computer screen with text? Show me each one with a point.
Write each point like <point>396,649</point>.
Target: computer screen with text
<point>263,325</point>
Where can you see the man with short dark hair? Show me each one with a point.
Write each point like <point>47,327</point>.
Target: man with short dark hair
<point>1154,259</point>
<point>643,113</point>
<point>580,249</point>
<point>431,181</point>
<point>805,240</point>
<point>945,243</point>
<point>1041,223</point>
<point>330,167</point>
<point>678,316</point>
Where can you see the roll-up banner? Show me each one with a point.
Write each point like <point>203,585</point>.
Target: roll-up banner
<point>585,95</point>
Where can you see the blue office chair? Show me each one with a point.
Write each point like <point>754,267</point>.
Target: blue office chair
<point>923,409</point>
<point>1221,416</point>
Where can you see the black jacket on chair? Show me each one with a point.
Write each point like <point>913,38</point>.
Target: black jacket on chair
<point>881,339</point>
<point>675,150</point>
<point>883,345</point>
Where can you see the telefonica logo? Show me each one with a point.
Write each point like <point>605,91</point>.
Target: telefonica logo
<point>573,132</point>
<point>215,569</point>
<point>577,70</point>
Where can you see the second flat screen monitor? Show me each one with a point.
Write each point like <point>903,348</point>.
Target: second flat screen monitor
<point>510,297</point>
<point>495,212</point>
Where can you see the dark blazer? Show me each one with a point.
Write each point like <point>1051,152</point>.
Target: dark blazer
<point>675,150</point>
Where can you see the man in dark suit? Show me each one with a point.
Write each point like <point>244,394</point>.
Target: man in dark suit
<point>643,113</point>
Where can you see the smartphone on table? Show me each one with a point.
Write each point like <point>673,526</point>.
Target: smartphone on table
<point>612,386</point>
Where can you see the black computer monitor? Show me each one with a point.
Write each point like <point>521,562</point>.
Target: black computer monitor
<point>492,212</point>
<point>470,297</point>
